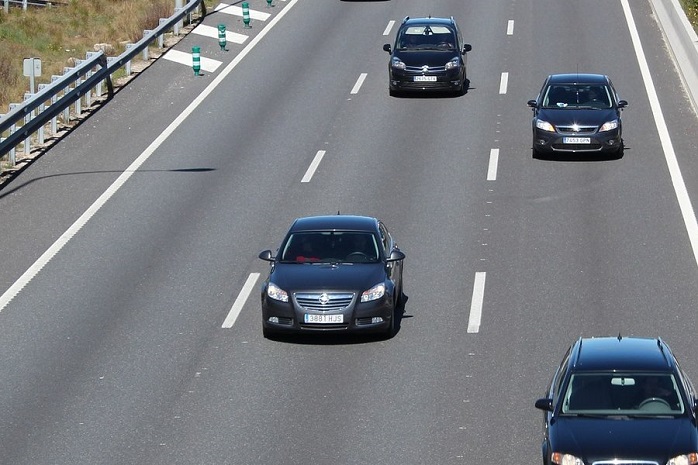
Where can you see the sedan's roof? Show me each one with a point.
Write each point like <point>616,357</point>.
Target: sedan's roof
<point>335,222</point>
<point>577,78</point>
<point>621,354</point>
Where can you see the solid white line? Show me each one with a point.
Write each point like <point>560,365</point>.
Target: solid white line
<point>207,64</point>
<point>389,27</point>
<point>503,83</point>
<point>687,212</point>
<point>359,83</point>
<point>492,168</point>
<point>510,27</point>
<point>476,304</point>
<point>313,166</point>
<point>240,301</point>
<point>33,270</point>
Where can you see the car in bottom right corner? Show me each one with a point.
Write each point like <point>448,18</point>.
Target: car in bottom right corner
<point>619,401</point>
<point>577,114</point>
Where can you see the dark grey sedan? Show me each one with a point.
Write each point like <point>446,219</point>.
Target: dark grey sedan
<point>339,273</point>
<point>577,113</point>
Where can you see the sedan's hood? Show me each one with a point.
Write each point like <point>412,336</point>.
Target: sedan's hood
<point>431,58</point>
<point>646,438</point>
<point>358,277</point>
<point>582,117</point>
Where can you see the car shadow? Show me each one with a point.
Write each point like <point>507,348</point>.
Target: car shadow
<point>336,338</point>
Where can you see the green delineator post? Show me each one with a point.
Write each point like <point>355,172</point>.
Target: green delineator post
<point>196,57</point>
<point>221,36</point>
<point>246,14</point>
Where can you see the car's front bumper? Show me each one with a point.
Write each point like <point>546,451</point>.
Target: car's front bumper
<point>556,142</point>
<point>404,80</point>
<point>365,317</point>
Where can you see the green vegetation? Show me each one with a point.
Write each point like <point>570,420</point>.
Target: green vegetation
<point>60,34</point>
<point>691,9</point>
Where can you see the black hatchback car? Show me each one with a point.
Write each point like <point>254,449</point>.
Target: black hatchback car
<point>619,400</point>
<point>333,273</point>
<point>577,113</point>
<point>428,55</point>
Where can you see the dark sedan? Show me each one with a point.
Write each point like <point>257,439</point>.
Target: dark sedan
<point>428,55</point>
<point>619,400</point>
<point>577,113</point>
<point>333,273</point>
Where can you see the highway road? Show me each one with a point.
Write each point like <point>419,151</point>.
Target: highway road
<point>127,332</point>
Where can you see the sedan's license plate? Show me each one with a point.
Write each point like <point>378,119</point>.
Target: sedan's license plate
<point>576,140</point>
<point>424,78</point>
<point>323,319</point>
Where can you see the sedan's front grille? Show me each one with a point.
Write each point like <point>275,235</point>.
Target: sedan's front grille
<point>324,301</point>
<point>431,69</point>
<point>577,129</point>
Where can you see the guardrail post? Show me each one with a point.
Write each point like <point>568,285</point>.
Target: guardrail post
<point>27,118</point>
<point>146,51</point>
<point>13,129</point>
<point>161,37</point>
<point>98,88</point>
<point>54,99</point>
<point>42,107</point>
<point>128,63</point>
<point>178,25</point>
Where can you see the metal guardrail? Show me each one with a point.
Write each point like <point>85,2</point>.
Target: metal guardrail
<point>89,74</point>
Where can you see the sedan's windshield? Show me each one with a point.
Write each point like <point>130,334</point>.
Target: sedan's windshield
<point>577,96</point>
<point>331,247</point>
<point>630,394</point>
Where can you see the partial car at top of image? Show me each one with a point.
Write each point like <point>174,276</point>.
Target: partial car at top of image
<point>340,273</point>
<point>619,400</point>
<point>577,114</point>
<point>428,55</point>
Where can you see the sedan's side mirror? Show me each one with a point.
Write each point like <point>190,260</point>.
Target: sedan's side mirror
<point>622,103</point>
<point>396,255</point>
<point>386,47</point>
<point>545,404</point>
<point>467,48</point>
<point>532,103</point>
<point>266,256</point>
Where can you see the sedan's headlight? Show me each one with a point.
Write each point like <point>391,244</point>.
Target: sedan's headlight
<point>544,125</point>
<point>686,459</point>
<point>276,293</point>
<point>376,292</point>
<point>453,64</point>
<point>397,64</point>
<point>609,126</point>
<point>565,459</point>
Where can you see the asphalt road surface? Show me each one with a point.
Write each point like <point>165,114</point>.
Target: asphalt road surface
<point>130,323</point>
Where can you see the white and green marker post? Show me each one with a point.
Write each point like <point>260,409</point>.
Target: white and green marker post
<point>246,14</point>
<point>221,36</point>
<point>196,58</point>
